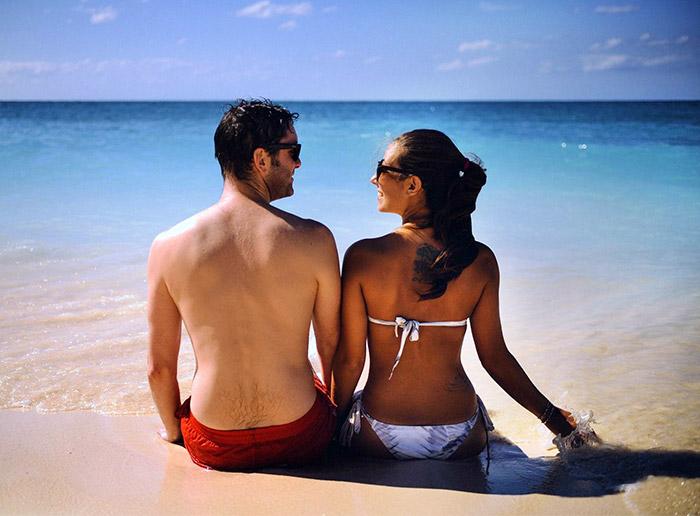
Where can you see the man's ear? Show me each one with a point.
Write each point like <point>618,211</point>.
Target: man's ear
<point>261,160</point>
<point>414,185</point>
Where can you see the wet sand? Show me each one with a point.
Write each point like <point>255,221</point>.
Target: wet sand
<point>89,463</point>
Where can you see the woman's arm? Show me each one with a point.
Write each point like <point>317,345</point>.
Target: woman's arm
<point>350,356</point>
<point>500,364</point>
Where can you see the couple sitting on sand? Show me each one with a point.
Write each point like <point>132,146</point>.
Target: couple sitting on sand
<point>248,279</point>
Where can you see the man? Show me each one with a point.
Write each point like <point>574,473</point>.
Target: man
<point>247,279</point>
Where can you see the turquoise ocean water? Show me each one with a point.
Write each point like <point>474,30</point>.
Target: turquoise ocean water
<point>592,208</point>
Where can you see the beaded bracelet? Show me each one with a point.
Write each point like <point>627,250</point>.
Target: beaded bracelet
<point>547,414</point>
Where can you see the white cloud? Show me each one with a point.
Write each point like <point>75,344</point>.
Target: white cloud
<point>661,60</point>
<point>372,59</point>
<point>339,54</point>
<point>491,7</point>
<point>607,44</point>
<point>602,62</point>
<point>266,9</point>
<point>612,43</point>
<point>288,25</point>
<point>644,37</point>
<point>182,41</point>
<point>682,39</point>
<point>330,9</point>
<point>479,61</point>
<point>597,63</point>
<point>450,66</point>
<point>34,67</point>
<point>158,64</point>
<point>616,9</point>
<point>102,15</point>
<point>475,45</point>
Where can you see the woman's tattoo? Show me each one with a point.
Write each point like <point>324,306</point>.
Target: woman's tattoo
<point>460,382</point>
<point>425,257</point>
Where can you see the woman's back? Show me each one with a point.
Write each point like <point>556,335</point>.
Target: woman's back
<point>430,277</point>
<point>428,385</point>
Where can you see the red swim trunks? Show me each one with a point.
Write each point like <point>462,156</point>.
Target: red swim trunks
<point>299,442</point>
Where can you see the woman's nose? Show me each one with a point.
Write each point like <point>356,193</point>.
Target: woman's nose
<point>373,179</point>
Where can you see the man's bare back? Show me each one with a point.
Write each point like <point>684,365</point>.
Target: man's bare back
<point>247,279</point>
<point>244,278</point>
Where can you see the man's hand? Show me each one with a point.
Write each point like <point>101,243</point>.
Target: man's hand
<point>171,438</point>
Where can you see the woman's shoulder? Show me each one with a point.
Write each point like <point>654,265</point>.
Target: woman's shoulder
<point>485,252</point>
<point>486,259</point>
<point>374,245</point>
<point>370,250</point>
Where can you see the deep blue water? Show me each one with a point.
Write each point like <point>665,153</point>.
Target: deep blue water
<point>96,173</point>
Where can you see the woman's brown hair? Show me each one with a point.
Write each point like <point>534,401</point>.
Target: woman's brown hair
<point>452,183</point>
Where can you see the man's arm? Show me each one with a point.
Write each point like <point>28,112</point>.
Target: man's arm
<point>326,315</point>
<point>164,324</point>
<point>350,358</point>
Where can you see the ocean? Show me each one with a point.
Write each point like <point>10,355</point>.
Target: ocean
<point>592,208</point>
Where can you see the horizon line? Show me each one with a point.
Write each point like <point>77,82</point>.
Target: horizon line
<point>364,100</point>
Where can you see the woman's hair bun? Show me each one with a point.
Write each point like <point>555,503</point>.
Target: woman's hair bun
<point>471,159</point>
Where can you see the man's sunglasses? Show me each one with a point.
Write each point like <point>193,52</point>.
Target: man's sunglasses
<point>295,149</point>
<point>381,168</point>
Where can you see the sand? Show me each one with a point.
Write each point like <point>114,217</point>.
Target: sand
<point>81,463</point>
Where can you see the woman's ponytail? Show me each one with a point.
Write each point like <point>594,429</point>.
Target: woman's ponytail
<point>452,224</point>
<point>452,184</point>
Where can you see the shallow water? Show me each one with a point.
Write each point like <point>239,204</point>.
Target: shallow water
<point>598,249</point>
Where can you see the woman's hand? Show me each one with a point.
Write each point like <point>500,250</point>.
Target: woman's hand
<point>562,422</point>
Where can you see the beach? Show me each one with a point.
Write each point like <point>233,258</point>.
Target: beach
<point>85,463</point>
<point>592,209</point>
<point>89,463</point>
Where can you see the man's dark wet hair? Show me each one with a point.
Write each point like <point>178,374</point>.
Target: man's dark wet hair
<point>247,125</point>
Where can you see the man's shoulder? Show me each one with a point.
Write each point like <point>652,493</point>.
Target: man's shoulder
<point>178,231</point>
<point>309,228</point>
<point>182,235</point>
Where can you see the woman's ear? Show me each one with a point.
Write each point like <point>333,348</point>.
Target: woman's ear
<point>414,185</point>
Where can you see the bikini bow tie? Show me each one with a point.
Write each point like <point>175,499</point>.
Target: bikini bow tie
<point>410,332</point>
<point>409,326</point>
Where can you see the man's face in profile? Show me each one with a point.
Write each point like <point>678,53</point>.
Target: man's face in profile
<point>281,178</point>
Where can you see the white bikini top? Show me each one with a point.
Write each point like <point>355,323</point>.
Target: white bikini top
<point>411,329</point>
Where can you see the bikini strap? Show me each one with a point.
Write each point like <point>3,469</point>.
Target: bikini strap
<point>410,330</point>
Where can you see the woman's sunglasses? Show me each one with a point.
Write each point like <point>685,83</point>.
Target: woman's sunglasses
<point>294,148</point>
<point>381,168</point>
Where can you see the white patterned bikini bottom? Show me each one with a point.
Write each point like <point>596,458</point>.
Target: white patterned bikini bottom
<point>414,441</point>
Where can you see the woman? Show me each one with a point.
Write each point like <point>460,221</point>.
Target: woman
<point>410,294</point>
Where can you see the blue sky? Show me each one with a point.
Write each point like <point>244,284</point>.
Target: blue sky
<point>349,50</point>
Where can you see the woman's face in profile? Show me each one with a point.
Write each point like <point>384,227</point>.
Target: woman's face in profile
<point>390,185</point>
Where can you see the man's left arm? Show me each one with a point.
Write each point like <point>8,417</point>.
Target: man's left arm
<point>326,316</point>
<point>164,324</point>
